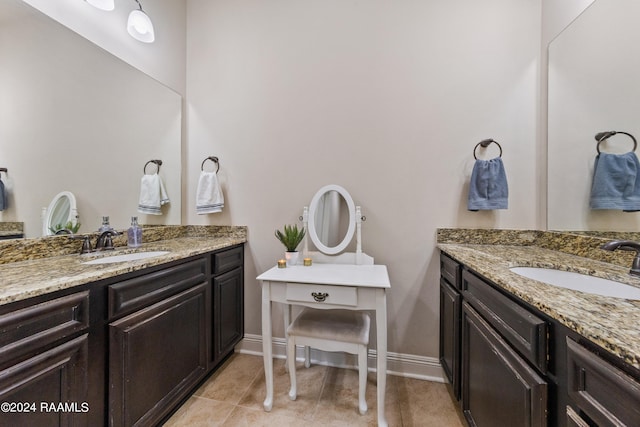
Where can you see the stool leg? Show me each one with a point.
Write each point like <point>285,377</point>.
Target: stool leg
<point>291,362</point>
<point>362,376</point>
<point>307,356</point>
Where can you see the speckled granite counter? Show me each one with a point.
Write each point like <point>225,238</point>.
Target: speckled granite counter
<point>30,274</point>
<point>612,323</point>
<point>11,229</point>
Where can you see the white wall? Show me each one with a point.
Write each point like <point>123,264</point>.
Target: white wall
<point>385,98</point>
<point>163,60</point>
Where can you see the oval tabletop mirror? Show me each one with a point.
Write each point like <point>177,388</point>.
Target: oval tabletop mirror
<point>60,212</point>
<point>331,219</point>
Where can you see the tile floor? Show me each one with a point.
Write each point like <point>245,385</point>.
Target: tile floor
<point>327,396</point>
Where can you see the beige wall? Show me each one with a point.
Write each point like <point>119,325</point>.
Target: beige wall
<point>387,99</point>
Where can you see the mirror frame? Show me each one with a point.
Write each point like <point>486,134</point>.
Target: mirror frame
<point>313,233</point>
<point>71,216</point>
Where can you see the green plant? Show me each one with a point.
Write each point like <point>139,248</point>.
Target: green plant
<point>68,226</point>
<point>291,237</point>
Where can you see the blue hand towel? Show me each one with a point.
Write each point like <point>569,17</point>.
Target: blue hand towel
<point>488,188</point>
<point>616,182</point>
<point>3,197</point>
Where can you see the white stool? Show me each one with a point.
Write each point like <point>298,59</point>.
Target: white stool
<point>331,330</point>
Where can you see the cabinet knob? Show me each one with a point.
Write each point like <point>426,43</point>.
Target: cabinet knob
<point>319,296</point>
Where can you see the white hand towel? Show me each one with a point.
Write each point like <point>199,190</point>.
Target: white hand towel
<point>209,198</point>
<point>152,195</point>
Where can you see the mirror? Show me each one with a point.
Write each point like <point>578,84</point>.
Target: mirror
<point>593,87</point>
<point>74,117</point>
<point>61,214</point>
<point>331,219</point>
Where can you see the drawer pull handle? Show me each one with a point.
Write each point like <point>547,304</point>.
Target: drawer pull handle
<point>319,296</point>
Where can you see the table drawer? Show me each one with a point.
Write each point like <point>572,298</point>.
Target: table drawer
<point>338,295</point>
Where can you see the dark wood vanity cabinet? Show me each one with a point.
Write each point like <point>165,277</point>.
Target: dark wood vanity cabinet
<point>228,297</point>
<point>519,367</point>
<point>44,361</point>
<point>158,352</point>
<point>501,344</point>
<point>600,393</point>
<point>123,351</point>
<point>492,350</point>
<point>450,327</point>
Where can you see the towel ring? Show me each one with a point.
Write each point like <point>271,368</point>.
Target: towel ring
<point>214,159</point>
<point>485,143</point>
<point>158,163</point>
<point>603,136</point>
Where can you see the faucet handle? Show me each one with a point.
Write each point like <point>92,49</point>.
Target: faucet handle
<point>86,243</point>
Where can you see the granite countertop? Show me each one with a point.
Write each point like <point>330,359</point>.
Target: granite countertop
<point>612,323</point>
<point>33,277</point>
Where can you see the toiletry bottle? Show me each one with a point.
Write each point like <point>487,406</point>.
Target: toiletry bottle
<point>105,225</point>
<point>134,234</point>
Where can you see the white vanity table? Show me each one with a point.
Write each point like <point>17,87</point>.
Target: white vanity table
<point>346,281</point>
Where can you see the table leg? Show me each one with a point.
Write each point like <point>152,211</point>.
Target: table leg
<point>286,309</point>
<point>267,347</point>
<point>381,327</point>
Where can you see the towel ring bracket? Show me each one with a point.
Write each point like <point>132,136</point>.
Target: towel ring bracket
<point>603,136</point>
<point>214,159</point>
<point>485,143</point>
<point>5,170</point>
<point>158,163</point>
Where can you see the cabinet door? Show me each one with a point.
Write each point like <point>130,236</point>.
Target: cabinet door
<point>156,356</point>
<point>49,389</point>
<point>602,392</point>
<point>450,334</point>
<point>228,313</point>
<point>498,387</point>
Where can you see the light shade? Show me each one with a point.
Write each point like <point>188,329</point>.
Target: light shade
<point>140,27</point>
<point>102,4</point>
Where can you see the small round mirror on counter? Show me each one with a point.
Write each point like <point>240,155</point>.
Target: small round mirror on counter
<point>61,211</point>
<point>331,219</point>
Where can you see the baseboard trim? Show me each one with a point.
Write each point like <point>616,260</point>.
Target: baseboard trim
<point>398,364</point>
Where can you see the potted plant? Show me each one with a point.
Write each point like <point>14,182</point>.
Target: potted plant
<point>291,238</point>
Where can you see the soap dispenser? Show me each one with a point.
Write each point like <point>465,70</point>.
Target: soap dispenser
<point>134,234</point>
<point>105,225</point>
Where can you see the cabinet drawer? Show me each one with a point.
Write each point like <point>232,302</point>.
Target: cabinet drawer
<point>23,331</point>
<point>227,260</point>
<point>130,295</point>
<point>526,332</point>
<point>603,392</point>
<point>338,295</point>
<point>450,270</point>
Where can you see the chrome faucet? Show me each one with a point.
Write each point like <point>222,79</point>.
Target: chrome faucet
<point>104,242</point>
<point>626,245</point>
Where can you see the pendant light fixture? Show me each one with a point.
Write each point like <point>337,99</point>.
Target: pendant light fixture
<point>139,25</point>
<point>102,4</point>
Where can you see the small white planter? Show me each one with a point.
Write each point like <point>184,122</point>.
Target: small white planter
<point>292,258</point>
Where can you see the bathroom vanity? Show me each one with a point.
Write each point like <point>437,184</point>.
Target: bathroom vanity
<point>129,344</point>
<point>520,352</point>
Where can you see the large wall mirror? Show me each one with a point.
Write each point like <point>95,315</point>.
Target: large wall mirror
<point>593,87</point>
<point>75,118</point>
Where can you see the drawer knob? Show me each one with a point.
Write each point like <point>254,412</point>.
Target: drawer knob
<point>319,296</point>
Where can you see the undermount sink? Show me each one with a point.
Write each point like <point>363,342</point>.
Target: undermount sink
<point>126,257</point>
<point>579,282</point>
